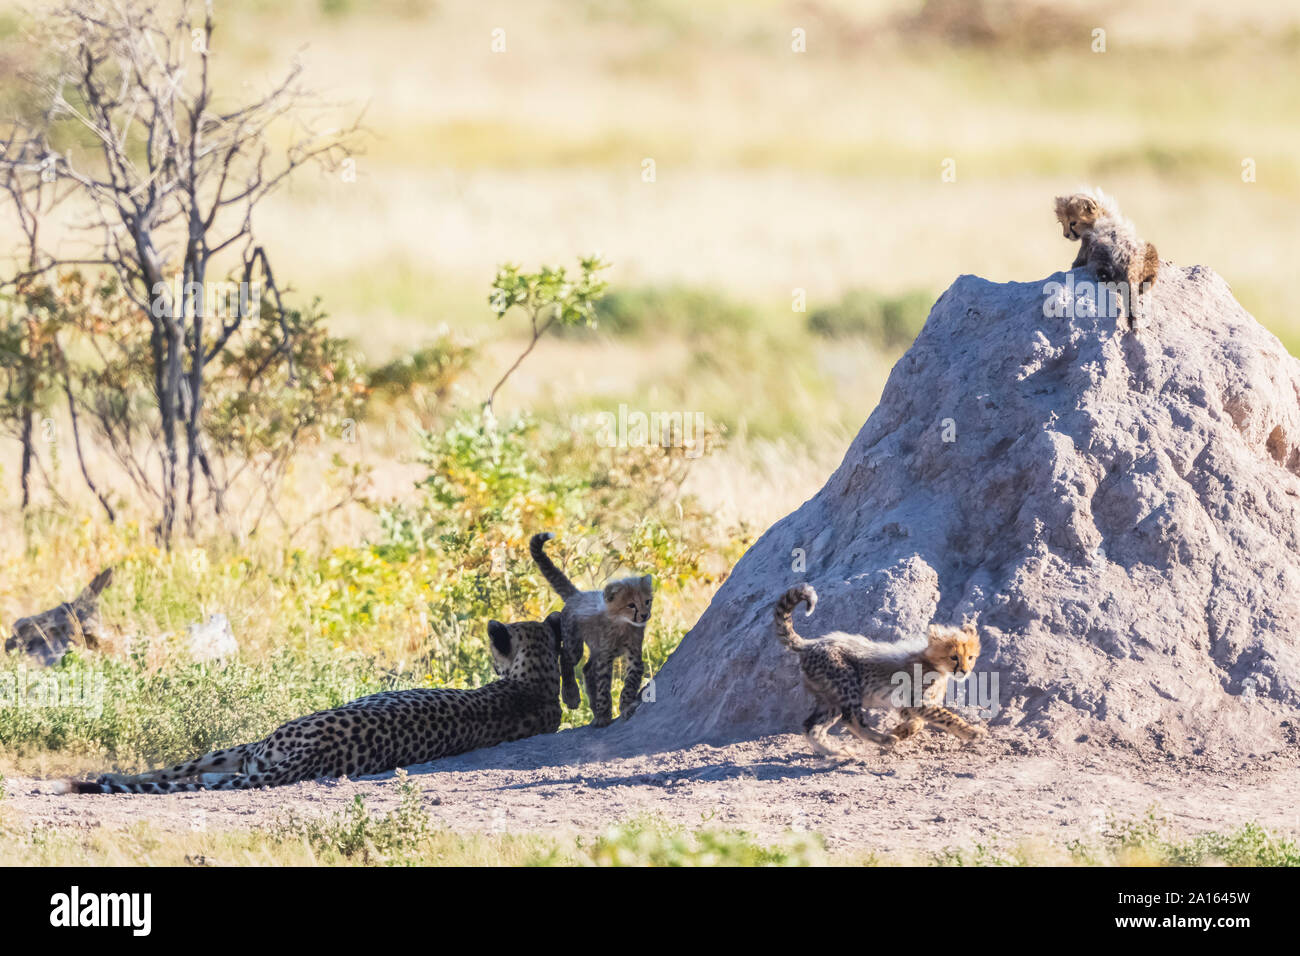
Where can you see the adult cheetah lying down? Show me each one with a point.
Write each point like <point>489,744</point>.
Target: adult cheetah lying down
<point>387,730</point>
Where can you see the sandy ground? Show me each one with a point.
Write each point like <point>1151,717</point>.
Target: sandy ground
<point>934,794</point>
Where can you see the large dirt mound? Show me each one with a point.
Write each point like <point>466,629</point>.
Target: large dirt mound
<point>1121,510</point>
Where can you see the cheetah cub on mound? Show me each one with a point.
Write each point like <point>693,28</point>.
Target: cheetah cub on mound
<point>848,672</point>
<point>1108,245</point>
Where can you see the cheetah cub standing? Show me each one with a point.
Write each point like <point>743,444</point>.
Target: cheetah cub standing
<point>612,623</point>
<point>848,672</point>
<point>1108,245</point>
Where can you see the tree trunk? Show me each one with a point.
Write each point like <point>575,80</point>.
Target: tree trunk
<point>26,478</point>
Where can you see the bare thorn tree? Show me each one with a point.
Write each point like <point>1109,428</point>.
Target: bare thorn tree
<point>174,179</point>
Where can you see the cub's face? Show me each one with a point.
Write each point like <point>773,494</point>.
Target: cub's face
<point>630,599</point>
<point>526,650</point>
<point>1076,214</point>
<point>953,650</point>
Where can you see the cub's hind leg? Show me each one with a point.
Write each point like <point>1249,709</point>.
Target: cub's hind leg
<point>816,730</point>
<point>944,719</point>
<point>571,648</point>
<point>1143,277</point>
<point>847,693</point>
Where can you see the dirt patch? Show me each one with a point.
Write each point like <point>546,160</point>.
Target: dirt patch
<point>933,795</point>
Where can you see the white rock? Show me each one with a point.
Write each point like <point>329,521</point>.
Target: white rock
<point>211,640</point>
<point>1124,517</point>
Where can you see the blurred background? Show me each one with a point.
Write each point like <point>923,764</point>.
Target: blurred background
<point>774,170</point>
<point>508,132</point>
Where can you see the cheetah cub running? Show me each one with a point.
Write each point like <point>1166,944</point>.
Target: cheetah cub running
<point>848,672</point>
<point>1108,245</point>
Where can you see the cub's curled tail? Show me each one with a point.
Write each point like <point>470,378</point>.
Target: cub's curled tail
<point>789,601</point>
<point>554,576</point>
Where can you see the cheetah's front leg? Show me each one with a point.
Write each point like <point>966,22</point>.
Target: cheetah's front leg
<point>1082,258</point>
<point>907,728</point>
<point>630,698</point>
<point>944,719</point>
<point>597,675</point>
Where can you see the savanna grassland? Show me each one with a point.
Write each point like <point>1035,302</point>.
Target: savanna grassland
<point>778,176</point>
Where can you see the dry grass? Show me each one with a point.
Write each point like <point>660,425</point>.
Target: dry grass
<point>775,171</point>
<point>408,837</point>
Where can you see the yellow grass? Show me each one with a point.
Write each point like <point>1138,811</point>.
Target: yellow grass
<point>774,172</point>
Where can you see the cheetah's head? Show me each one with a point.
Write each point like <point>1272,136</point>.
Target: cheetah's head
<point>954,650</point>
<point>527,650</point>
<point>630,599</point>
<point>1076,214</point>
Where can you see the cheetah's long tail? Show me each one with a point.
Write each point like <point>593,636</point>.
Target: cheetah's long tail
<point>218,770</point>
<point>107,784</point>
<point>784,607</point>
<point>554,576</point>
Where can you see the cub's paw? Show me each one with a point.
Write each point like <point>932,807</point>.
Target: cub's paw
<point>837,756</point>
<point>572,699</point>
<point>976,733</point>
<point>627,710</point>
<point>601,721</point>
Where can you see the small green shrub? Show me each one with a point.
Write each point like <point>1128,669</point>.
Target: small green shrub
<point>424,378</point>
<point>492,485</point>
<point>549,298</point>
<point>1248,845</point>
<point>667,311</point>
<point>357,834</point>
<point>142,714</point>
<point>890,322</point>
<point>1138,841</point>
<point>649,843</point>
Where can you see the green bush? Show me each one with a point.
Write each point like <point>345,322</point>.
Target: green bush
<point>409,836</point>
<point>648,843</point>
<point>667,310</point>
<point>358,835</point>
<point>434,367</point>
<point>889,322</point>
<point>492,485</point>
<point>142,714</point>
<point>423,378</point>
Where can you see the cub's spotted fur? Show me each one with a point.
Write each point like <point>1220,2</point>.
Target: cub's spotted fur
<point>1109,245</point>
<point>387,730</point>
<point>847,672</point>
<point>612,623</point>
